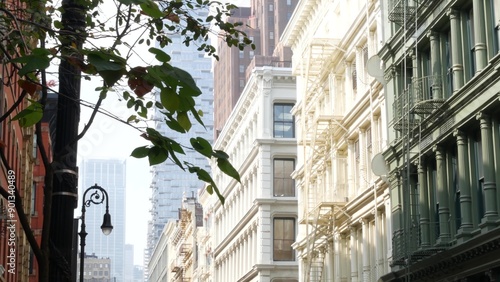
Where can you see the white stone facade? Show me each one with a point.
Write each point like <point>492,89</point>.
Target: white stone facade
<point>341,125</point>
<point>252,233</point>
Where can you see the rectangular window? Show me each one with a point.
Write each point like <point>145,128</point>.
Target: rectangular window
<point>242,54</point>
<point>369,147</point>
<point>242,68</point>
<point>469,20</point>
<point>284,185</point>
<point>271,7</point>
<point>448,61</point>
<point>283,238</point>
<point>33,199</point>
<point>31,266</point>
<point>271,35</point>
<point>495,15</point>
<point>283,121</point>
<point>354,78</point>
<point>289,2</point>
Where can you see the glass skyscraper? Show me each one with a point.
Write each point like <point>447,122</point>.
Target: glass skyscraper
<point>110,175</point>
<point>169,182</point>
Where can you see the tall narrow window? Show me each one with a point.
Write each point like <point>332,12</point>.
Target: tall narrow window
<point>283,121</point>
<point>369,148</point>
<point>356,168</point>
<point>469,20</point>
<point>448,62</point>
<point>354,78</point>
<point>283,238</point>
<point>495,10</point>
<point>284,185</point>
<point>33,199</point>
<point>478,159</point>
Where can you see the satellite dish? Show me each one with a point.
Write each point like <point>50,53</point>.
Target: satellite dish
<point>374,68</point>
<point>379,166</point>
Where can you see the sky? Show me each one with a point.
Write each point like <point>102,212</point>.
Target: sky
<point>110,139</point>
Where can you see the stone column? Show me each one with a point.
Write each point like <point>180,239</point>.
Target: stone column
<point>464,186</point>
<point>337,257</point>
<point>496,143</point>
<point>490,189</point>
<point>457,67</point>
<point>366,249</point>
<point>437,92</point>
<point>479,35</point>
<point>354,255</point>
<point>423,205</point>
<point>343,272</point>
<point>442,194</point>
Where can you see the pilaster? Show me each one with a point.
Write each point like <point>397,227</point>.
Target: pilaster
<point>435,64</point>
<point>457,67</point>
<point>424,207</point>
<point>490,189</point>
<point>354,255</point>
<point>442,193</point>
<point>479,34</point>
<point>464,233</point>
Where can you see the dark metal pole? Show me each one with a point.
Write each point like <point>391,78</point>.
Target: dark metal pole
<point>83,235</point>
<point>97,197</point>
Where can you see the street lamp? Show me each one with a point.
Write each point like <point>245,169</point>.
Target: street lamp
<point>97,198</point>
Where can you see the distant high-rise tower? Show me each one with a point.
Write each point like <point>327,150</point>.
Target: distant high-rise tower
<point>110,175</point>
<point>169,182</point>
<point>264,23</point>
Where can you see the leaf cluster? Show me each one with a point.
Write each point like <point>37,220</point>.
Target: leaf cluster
<point>26,31</point>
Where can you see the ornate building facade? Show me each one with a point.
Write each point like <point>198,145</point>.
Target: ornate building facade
<point>252,233</point>
<point>344,209</point>
<point>441,61</point>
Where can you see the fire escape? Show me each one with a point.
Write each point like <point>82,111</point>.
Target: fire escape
<point>183,256</point>
<point>414,107</point>
<point>321,200</point>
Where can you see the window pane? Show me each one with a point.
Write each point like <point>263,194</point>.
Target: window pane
<point>283,121</point>
<point>284,236</point>
<point>284,185</point>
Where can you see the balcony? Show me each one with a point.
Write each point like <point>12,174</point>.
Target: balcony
<point>401,11</point>
<point>423,97</point>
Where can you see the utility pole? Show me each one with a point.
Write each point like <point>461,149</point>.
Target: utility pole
<point>65,194</point>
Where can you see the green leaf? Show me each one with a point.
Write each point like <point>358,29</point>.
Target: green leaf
<point>210,189</point>
<point>103,61</point>
<point>160,55</point>
<point>220,154</point>
<point>202,146</point>
<point>183,120</point>
<point>140,152</point>
<point>151,9</point>
<point>112,77</point>
<point>228,168</point>
<point>157,155</point>
<point>30,115</point>
<point>37,60</point>
<point>174,125</point>
<point>184,78</point>
<point>131,118</point>
<point>169,99</point>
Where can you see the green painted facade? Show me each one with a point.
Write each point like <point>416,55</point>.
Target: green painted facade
<point>442,72</point>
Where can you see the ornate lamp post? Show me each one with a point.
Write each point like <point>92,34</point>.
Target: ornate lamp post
<point>97,198</point>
